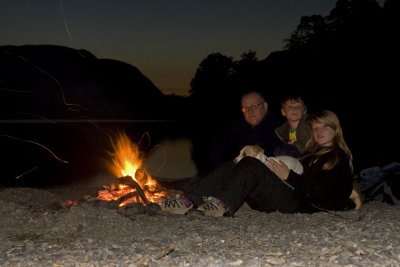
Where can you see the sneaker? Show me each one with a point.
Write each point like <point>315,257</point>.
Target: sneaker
<point>177,205</point>
<point>212,207</point>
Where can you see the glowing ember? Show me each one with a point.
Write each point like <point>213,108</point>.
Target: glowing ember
<point>127,164</point>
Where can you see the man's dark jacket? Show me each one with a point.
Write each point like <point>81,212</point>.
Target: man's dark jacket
<point>227,145</point>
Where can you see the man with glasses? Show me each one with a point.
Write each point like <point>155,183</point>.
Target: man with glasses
<point>256,127</point>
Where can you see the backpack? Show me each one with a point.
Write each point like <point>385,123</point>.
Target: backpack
<point>381,184</point>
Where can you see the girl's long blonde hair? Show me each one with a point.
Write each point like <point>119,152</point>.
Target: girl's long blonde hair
<point>314,151</point>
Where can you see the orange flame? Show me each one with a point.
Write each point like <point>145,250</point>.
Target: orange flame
<point>127,161</point>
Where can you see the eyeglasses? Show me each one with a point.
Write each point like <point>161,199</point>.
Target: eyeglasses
<point>252,107</point>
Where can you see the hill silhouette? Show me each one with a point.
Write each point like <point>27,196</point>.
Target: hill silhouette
<point>60,105</point>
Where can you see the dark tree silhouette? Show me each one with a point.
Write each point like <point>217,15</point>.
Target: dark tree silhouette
<point>247,71</point>
<point>247,60</point>
<point>351,49</point>
<point>212,76</point>
<point>210,93</point>
<point>313,32</point>
<point>213,89</point>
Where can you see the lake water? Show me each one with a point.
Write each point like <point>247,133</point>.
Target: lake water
<point>171,158</point>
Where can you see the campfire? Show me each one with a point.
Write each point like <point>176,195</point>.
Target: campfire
<point>133,183</point>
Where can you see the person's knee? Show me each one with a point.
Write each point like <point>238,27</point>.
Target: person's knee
<point>254,168</point>
<point>249,162</point>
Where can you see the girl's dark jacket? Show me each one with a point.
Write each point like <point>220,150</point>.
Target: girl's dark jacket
<point>324,189</point>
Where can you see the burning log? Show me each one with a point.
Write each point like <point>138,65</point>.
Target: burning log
<point>127,198</point>
<point>128,180</point>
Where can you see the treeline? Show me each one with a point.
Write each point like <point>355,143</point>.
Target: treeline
<point>345,61</point>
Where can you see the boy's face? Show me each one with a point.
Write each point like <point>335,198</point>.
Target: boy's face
<point>293,110</point>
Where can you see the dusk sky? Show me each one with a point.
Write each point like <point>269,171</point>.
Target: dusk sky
<point>165,39</point>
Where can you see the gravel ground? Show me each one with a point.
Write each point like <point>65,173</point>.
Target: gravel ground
<point>68,226</point>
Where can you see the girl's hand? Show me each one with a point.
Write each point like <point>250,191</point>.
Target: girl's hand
<point>279,168</point>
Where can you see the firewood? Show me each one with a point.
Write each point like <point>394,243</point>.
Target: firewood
<point>128,180</point>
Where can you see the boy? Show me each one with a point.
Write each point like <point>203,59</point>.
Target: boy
<point>295,131</point>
